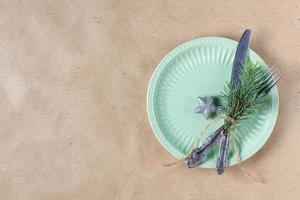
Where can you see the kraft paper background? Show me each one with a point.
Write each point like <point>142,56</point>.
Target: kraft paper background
<point>73,83</point>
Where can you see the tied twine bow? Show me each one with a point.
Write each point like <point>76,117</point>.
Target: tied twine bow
<point>228,119</point>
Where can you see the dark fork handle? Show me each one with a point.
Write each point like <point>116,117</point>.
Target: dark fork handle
<point>197,156</point>
<point>222,161</point>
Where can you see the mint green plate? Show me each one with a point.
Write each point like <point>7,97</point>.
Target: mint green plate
<point>201,67</point>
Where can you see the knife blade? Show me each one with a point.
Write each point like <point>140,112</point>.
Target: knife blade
<point>240,55</point>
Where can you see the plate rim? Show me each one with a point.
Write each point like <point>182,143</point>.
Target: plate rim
<point>154,82</point>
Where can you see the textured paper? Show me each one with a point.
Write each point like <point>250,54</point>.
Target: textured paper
<point>73,82</point>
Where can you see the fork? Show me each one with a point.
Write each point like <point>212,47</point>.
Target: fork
<point>271,78</point>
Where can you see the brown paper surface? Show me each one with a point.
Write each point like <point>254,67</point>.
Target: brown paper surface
<point>73,82</point>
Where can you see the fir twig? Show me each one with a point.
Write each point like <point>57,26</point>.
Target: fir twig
<point>244,96</point>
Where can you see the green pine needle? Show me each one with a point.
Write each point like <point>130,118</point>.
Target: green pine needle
<point>244,96</point>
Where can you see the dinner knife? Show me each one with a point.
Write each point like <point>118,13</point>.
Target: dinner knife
<point>238,63</point>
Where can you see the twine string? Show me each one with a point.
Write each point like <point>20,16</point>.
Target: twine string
<point>197,139</point>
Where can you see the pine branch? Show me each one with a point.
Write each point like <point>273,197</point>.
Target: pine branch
<point>244,96</point>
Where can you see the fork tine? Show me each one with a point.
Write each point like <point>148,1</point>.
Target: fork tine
<point>273,71</point>
<point>273,84</point>
<point>269,78</point>
<point>270,72</point>
<point>268,87</point>
<point>266,78</point>
<point>268,84</point>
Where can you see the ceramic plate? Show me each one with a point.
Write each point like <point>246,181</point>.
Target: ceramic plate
<point>202,67</point>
